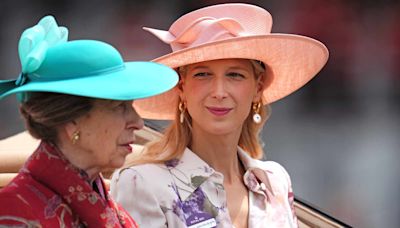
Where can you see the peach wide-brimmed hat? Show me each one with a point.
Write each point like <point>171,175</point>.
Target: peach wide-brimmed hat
<point>235,31</point>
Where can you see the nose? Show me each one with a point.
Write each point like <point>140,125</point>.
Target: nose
<point>218,88</point>
<point>134,121</point>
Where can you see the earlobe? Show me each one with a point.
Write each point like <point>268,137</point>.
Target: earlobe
<point>180,85</point>
<point>260,82</point>
<point>259,88</point>
<point>180,88</point>
<point>71,129</point>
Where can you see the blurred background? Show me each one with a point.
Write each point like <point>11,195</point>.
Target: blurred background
<point>339,136</point>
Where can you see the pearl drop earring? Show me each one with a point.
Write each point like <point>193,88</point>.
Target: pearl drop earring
<point>256,116</point>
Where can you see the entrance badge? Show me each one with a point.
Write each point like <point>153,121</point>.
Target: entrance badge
<point>201,220</point>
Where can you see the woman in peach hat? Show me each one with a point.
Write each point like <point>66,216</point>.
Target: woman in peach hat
<point>204,171</point>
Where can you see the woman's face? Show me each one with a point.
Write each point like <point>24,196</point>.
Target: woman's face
<point>219,94</point>
<point>107,131</point>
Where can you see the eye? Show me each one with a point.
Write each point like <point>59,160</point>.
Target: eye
<point>120,106</point>
<point>236,75</point>
<point>201,74</point>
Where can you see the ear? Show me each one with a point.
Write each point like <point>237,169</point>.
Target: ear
<point>259,88</point>
<point>180,86</point>
<point>71,128</point>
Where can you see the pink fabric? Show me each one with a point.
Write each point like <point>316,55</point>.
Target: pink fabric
<point>189,193</point>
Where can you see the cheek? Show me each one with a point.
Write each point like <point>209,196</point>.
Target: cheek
<point>192,107</point>
<point>246,93</point>
<point>193,99</point>
<point>107,134</point>
<point>245,99</point>
<point>196,87</point>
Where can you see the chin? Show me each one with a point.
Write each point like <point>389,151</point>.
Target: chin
<point>218,127</point>
<point>220,131</point>
<point>117,164</point>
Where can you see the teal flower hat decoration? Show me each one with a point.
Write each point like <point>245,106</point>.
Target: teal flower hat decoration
<point>35,41</point>
<point>87,68</point>
<point>33,45</point>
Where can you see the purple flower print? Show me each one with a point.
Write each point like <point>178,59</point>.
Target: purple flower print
<point>175,188</point>
<point>195,209</point>
<point>195,204</point>
<point>177,209</point>
<point>208,169</point>
<point>172,163</point>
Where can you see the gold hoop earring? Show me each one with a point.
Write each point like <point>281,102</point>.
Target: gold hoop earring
<point>181,108</point>
<point>256,116</point>
<point>75,137</point>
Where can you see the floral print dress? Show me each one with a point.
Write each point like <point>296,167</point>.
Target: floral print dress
<point>51,192</point>
<point>189,193</point>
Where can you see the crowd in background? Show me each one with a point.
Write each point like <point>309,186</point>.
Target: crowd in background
<point>338,137</point>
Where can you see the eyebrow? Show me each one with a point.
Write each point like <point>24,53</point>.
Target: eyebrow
<point>199,67</point>
<point>229,68</point>
<point>239,68</point>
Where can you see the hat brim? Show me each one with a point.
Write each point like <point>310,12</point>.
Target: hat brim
<point>291,60</point>
<point>137,80</point>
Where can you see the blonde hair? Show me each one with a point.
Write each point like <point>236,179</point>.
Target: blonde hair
<point>178,135</point>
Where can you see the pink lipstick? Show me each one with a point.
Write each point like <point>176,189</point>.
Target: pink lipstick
<point>128,147</point>
<point>219,111</point>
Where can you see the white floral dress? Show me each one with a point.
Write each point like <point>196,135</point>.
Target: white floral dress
<point>189,193</point>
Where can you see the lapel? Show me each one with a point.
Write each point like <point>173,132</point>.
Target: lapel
<point>48,166</point>
<point>256,176</point>
<point>188,173</point>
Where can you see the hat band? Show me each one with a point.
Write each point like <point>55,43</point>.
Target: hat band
<point>24,78</point>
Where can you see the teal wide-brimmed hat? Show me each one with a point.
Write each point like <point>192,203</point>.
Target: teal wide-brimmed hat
<point>87,68</point>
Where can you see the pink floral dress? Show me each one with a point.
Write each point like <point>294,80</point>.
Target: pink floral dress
<point>189,193</point>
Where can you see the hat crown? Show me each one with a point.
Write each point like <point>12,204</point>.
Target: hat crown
<point>75,59</point>
<point>214,23</point>
<point>235,31</point>
<point>88,68</point>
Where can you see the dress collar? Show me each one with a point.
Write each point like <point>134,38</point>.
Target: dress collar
<point>70,185</point>
<point>190,171</point>
<point>256,176</point>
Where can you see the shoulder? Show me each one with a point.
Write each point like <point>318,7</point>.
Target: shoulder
<point>147,178</point>
<point>21,200</point>
<point>271,168</point>
<point>26,189</point>
<point>145,191</point>
<point>20,185</point>
<point>277,175</point>
<point>14,196</point>
<point>141,172</point>
<point>274,168</point>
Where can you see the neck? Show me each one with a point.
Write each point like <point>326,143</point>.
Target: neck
<point>219,152</point>
<point>79,159</point>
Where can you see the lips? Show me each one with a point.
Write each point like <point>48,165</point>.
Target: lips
<point>127,147</point>
<point>219,111</point>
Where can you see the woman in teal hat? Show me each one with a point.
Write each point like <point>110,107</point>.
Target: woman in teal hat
<point>76,97</point>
